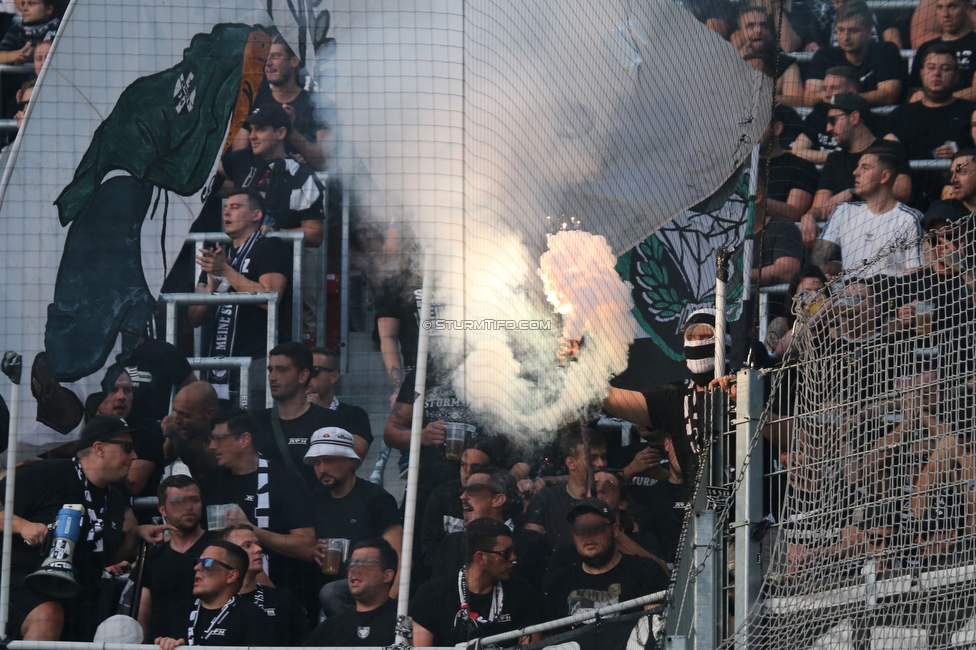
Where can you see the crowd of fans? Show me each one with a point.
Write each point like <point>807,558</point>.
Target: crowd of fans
<point>265,535</point>
<point>267,530</point>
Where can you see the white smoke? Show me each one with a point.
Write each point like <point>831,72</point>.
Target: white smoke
<point>512,379</point>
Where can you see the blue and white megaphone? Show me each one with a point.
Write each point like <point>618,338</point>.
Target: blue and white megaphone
<point>56,577</point>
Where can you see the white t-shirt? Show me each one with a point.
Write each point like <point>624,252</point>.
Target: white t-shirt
<point>862,235</point>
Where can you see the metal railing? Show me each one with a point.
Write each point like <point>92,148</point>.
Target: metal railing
<point>908,55</point>
<point>297,244</point>
<point>764,294</point>
<point>172,300</point>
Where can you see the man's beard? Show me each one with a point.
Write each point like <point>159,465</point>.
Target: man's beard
<point>937,97</point>
<point>602,559</point>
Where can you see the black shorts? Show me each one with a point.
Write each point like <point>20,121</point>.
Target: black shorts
<point>23,600</point>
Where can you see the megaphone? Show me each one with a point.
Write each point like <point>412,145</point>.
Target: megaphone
<point>56,577</point>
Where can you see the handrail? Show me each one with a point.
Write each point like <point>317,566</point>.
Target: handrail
<point>764,293</point>
<point>171,300</point>
<point>908,55</point>
<point>633,603</point>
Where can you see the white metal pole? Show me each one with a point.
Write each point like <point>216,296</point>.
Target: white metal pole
<point>721,277</point>
<point>748,243</point>
<point>344,285</point>
<point>410,500</point>
<point>11,368</point>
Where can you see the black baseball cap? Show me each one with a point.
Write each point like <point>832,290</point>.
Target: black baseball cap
<point>270,114</point>
<point>941,212</point>
<point>851,102</point>
<point>102,428</point>
<point>590,504</point>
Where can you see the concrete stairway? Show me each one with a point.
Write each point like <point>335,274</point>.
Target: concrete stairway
<point>365,383</point>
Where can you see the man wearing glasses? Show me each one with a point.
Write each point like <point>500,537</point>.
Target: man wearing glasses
<point>372,622</point>
<point>218,615</point>
<point>482,599</point>
<point>92,479</point>
<point>605,576</point>
<point>321,391</point>
<point>963,180</point>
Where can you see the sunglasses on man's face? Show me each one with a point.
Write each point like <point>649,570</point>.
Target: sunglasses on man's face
<point>207,563</point>
<point>505,555</point>
<point>127,445</point>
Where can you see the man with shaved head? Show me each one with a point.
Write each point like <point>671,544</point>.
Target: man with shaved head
<point>188,427</point>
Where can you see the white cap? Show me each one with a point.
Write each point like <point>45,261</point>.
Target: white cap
<point>119,629</point>
<point>330,441</point>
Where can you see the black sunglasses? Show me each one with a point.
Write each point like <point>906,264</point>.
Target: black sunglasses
<point>319,369</point>
<point>127,445</point>
<point>21,106</point>
<point>506,554</point>
<point>209,562</point>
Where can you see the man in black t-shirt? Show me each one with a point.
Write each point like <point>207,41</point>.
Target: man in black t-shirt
<point>286,616</point>
<point>441,405</point>
<point>321,392</point>
<point>547,510</point>
<point>90,479</point>
<point>291,191</point>
<point>156,369</point>
<point>167,578</point>
<point>487,493</point>
<point>372,622</point>
<point>847,122</point>
<point>958,34</point>
<point>605,576</point>
<point>814,142</point>
<point>934,126</point>
<point>254,263</point>
<point>218,615</point>
<point>147,468</point>
<point>346,507</point>
<point>880,67</point>
<point>288,425</point>
<point>656,487</point>
<point>483,599</point>
<point>269,497</point>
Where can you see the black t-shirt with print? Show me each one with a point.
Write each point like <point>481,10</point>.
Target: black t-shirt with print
<point>376,627</point>
<point>289,508</point>
<point>269,255</point>
<point>244,624</point>
<point>155,368</point>
<point>440,403</point>
<point>286,616</point>
<point>297,432</point>
<point>437,605</point>
<point>882,62</point>
<point>571,589</point>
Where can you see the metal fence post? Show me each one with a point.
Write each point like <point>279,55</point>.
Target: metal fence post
<point>748,500</point>
<point>705,627</point>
